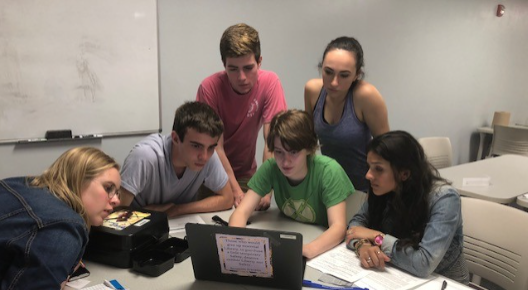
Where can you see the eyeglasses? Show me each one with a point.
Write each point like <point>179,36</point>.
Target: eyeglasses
<point>111,190</point>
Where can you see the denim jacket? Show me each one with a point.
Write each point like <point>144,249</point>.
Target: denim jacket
<point>440,249</point>
<point>41,238</point>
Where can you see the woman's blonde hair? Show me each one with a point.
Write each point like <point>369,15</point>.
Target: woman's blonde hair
<point>71,173</point>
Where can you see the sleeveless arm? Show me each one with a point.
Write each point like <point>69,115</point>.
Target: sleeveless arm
<point>372,109</point>
<point>311,93</point>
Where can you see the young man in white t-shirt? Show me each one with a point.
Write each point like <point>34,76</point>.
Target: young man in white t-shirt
<point>164,173</point>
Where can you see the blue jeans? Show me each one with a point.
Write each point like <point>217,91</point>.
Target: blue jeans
<point>42,239</point>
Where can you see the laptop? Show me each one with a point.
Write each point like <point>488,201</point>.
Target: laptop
<point>257,257</point>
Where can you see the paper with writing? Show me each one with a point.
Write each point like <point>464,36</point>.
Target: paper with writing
<point>344,264</point>
<point>244,256</point>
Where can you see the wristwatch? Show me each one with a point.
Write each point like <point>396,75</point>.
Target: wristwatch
<point>378,240</point>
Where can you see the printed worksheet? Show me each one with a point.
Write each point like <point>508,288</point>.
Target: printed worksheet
<point>344,264</point>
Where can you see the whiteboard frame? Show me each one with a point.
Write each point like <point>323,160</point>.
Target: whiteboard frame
<point>151,11</point>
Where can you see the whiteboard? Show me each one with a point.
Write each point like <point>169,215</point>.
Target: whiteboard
<point>90,66</point>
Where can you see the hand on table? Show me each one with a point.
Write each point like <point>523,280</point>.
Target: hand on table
<point>358,232</point>
<point>264,202</point>
<point>238,195</point>
<point>372,257</point>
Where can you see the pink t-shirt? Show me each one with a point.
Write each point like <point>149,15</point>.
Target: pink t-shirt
<point>243,115</point>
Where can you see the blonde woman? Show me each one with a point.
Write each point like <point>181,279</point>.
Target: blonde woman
<point>44,220</point>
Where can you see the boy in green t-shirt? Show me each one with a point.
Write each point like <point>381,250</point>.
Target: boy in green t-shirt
<point>307,188</point>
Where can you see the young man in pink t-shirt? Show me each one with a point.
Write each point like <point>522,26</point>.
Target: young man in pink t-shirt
<point>246,98</point>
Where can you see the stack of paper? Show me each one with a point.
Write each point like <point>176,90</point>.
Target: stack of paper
<point>344,264</point>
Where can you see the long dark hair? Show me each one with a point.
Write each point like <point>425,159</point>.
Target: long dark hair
<point>408,205</point>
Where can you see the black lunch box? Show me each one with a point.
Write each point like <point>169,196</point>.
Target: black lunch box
<point>144,246</point>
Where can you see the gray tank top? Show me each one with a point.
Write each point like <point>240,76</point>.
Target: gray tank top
<point>345,141</point>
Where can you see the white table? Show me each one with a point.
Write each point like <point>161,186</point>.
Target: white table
<point>522,201</point>
<point>182,277</point>
<point>508,177</point>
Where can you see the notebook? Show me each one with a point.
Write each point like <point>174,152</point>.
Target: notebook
<point>258,257</point>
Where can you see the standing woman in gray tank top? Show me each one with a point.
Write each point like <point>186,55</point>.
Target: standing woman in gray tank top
<point>347,110</point>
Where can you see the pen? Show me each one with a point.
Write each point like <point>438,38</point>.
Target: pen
<point>113,284</point>
<point>310,284</point>
<point>444,285</point>
<point>108,284</point>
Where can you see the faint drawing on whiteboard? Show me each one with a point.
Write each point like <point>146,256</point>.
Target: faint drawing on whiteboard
<point>11,93</point>
<point>90,83</point>
<point>10,81</point>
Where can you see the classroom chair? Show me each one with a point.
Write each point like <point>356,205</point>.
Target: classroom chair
<point>509,140</point>
<point>354,203</point>
<point>438,151</point>
<point>495,238</point>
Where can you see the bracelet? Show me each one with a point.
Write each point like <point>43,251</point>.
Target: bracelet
<point>359,244</point>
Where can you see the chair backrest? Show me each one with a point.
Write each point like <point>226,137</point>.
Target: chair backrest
<point>438,151</point>
<point>495,242</point>
<point>509,140</point>
<point>354,203</point>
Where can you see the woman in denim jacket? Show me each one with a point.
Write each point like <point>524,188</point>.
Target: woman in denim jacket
<point>44,220</point>
<point>412,217</point>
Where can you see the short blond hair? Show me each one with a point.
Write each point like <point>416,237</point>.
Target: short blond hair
<point>72,172</point>
<point>239,40</point>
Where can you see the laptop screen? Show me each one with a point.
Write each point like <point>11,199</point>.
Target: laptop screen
<point>247,256</point>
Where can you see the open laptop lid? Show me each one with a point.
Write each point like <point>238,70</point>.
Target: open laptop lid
<point>246,256</point>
